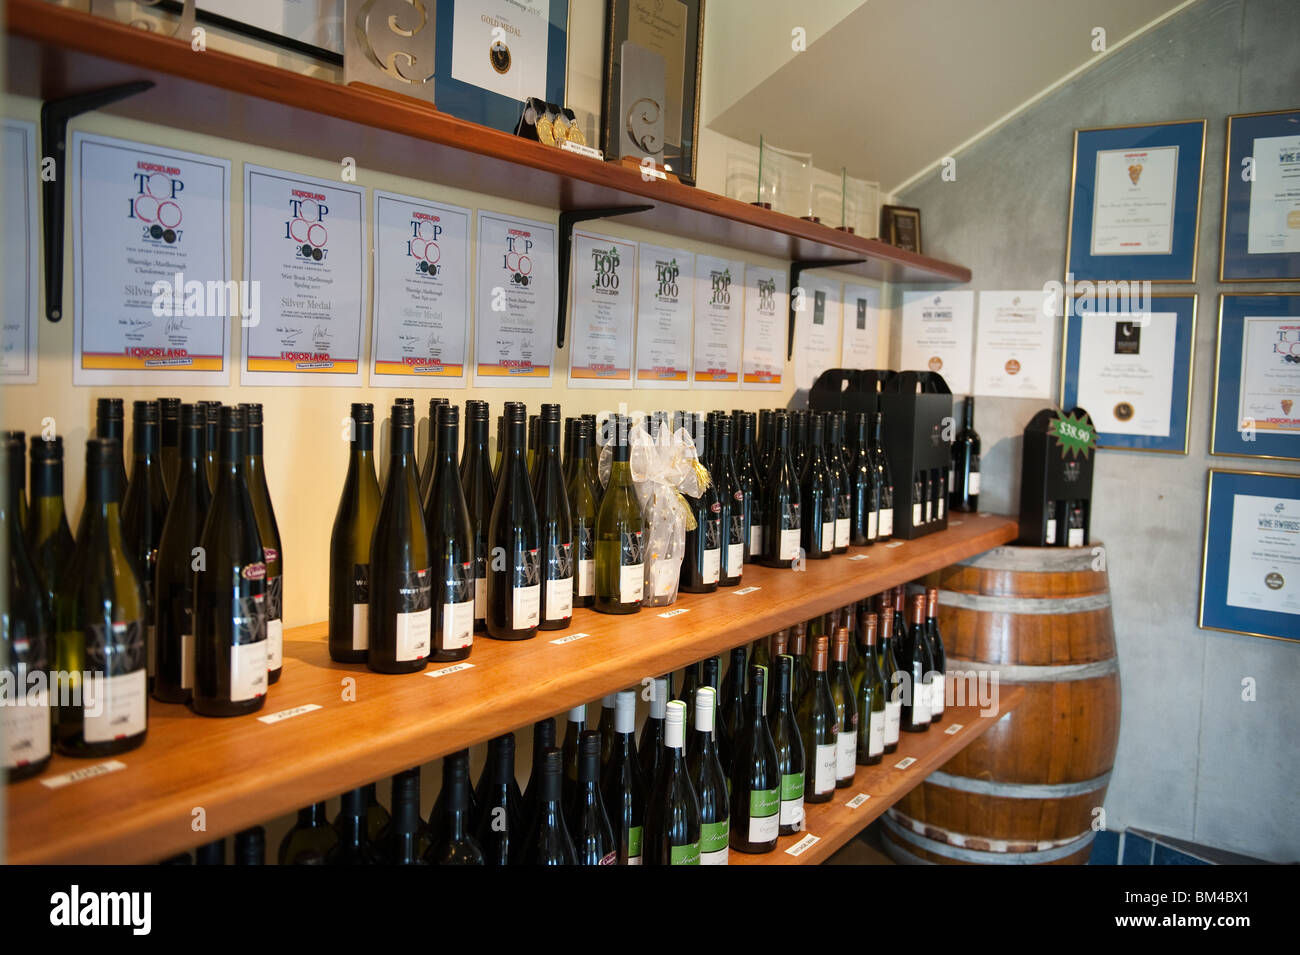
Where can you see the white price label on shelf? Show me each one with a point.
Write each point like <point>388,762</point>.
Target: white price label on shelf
<point>905,762</point>
<point>745,590</point>
<point>77,775</point>
<point>857,800</point>
<point>803,845</point>
<point>561,641</point>
<point>288,714</point>
<point>858,557</point>
<point>669,614</point>
<point>955,523</point>
<point>447,671</point>
<point>955,728</point>
<point>892,544</point>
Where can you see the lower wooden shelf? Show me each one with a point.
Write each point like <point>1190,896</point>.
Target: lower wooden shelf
<point>829,825</point>
<point>329,727</point>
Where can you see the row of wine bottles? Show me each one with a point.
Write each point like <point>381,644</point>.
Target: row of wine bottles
<point>171,585</point>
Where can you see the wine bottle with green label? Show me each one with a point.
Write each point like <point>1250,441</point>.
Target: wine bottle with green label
<point>755,777</point>
<point>704,769</point>
<point>514,589</point>
<point>620,525</point>
<point>621,784</point>
<point>672,829</point>
<point>789,747</point>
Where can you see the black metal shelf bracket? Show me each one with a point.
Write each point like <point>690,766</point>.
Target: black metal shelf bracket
<point>55,114</point>
<point>568,220</point>
<point>796,269</point>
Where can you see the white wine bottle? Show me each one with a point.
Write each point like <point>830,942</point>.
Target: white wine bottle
<point>354,526</point>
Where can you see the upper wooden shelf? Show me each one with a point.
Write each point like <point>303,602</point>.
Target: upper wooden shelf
<point>364,726</point>
<point>55,52</point>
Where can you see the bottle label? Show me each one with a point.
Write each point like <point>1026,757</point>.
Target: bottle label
<point>755,540</point>
<point>631,571</point>
<point>893,721</point>
<point>634,837</point>
<point>828,536</point>
<point>938,687</point>
<point>414,614</point>
<point>929,510</point>
<point>684,855</point>
<point>824,768</point>
<point>789,548</point>
<point>1051,531</point>
<point>712,566</point>
<point>876,733</point>
<point>939,505</point>
<point>973,483</point>
<point>609,858</point>
<point>480,587</point>
<point>457,625</point>
<point>872,521</point>
<point>841,532</point>
<point>952,479</point>
<point>713,842</point>
<point>115,706</point>
<point>586,579</point>
<point>846,754</point>
<point>1074,537</point>
<point>735,559</point>
<point>247,671</point>
<point>274,620</point>
<point>916,514</point>
<point>26,727</point>
<point>360,606</point>
<point>792,800</point>
<point>886,521</point>
<point>764,815</point>
<point>526,606</point>
<point>187,661</point>
<point>559,599</point>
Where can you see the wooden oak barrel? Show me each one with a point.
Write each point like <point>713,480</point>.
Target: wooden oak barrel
<point>1024,793</point>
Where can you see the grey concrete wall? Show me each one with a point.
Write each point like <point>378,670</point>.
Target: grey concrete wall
<point>1195,760</point>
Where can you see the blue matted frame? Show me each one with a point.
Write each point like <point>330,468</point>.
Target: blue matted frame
<point>484,107</point>
<point>1215,613</point>
<point>1180,406</point>
<point>1179,265</point>
<point>1235,263</point>
<point>1225,438</point>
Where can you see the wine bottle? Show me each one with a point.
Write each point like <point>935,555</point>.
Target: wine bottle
<point>802,677</point>
<point>543,739</point>
<point>530,457</point>
<point>702,563</point>
<point>593,457</point>
<point>182,535</point>
<point>888,664</point>
<point>26,634</point>
<point>431,450</point>
<point>143,512</point>
<point>731,716</point>
<point>555,524</point>
<point>690,683</point>
<point>1075,533</point>
<point>589,826</point>
<point>884,479</point>
<point>751,486</point>
<point>651,745</point>
<point>846,711</point>
<point>605,727</point>
<point>500,820</point>
<point>708,781</point>
<point>755,777</point>
<point>582,507</point>
<point>451,548</point>
<point>311,841</point>
<point>799,441</point>
<point>211,853</point>
<point>672,823</point>
<point>400,618</point>
<point>250,846</point>
<point>711,675</point>
<point>774,646</point>
<point>782,503</point>
<point>353,847</point>
<point>547,841</point>
<point>514,599</point>
<point>269,532</point>
<point>99,624</point>
<point>818,729</point>
<point>212,441</point>
<point>575,726</point>
<point>621,784</point>
<point>230,591</point>
<point>919,668</point>
<point>735,508</point>
<point>406,838</point>
<point>869,694</point>
<point>49,539</point>
<point>767,443</point>
<point>840,481</point>
<point>864,507</point>
<point>354,528</point>
<point>818,494</point>
<point>110,423</point>
<point>454,845</point>
<point>791,763</point>
<point>480,491</point>
<point>501,449</point>
<point>377,817</point>
<point>620,524</point>
<point>938,659</point>
<point>939,492</point>
<point>965,484</point>
<point>169,442</point>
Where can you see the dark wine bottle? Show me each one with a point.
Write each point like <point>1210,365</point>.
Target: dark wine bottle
<point>864,493</point>
<point>888,663</point>
<point>582,506</point>
<point>846,711</point>
<point>869,693</point>
<point>543,739</point>
<point>818,492</point>
<point>707,779</point>
<point>110,423</point>
<point>212,441</point>
<point>702,563</point>
<point>431,451</point>
<point>530,457</point>
<point>514,599</point>
<point>211,853</point>
<point>690,683</point>
<point>593,836</point>
<point>767,444</point>
<point>310,841</point>
<point>818,729</point>
<point>620,569</point>
<point>377,817</point>
<point>782,503</point>
<point>575,726</point>
<point>500,820</point>
<point>751,486</point>
<point>354,528</point>
<point>938,658</point>
<point>621,784</point>
<point>353,847</point>
<point>178,549</point>
<point>451,547</point>
<point>884,479</point>
<point>789,746</point>
<point>767,653</point>
<point>144,511</point>
<point>555,524</point>
<point>480,492</point>
<point>401,587</point>
<point>605,727</point>
<point>593,457</point>
<point>965,474</point>
<point>920,670</point>
<point>454,844</point>
<point>269,532</point>
<point>731,717</point>
<point>755,777</point>
<point>230,591</point>
<point>99,624</point>
<point>651,744</point>
<point>799,441</point>
<point>839,475</point>
<point>672,823</point>
<point>548,841</point>
<point>735,508</point>
<point>711,675</point>
<point>802,677</point>
<point>49,539</point>
<point>169,445</point>
<point>250,846</point>
<point>406,838</point>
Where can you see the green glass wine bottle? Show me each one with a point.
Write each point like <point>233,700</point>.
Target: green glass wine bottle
<point>269,531</point>
<point>514,599</point>
<point>789,747</point>
<point>480,493</point>
<point>451,546</point>
<point>354,527</point>
<point>555,524</point>
<point>620,526</point>
<point>704,770</point>
<point>818,729</point>
<point>672,830</point>
<point>755,777</point>
<point>583,497</point>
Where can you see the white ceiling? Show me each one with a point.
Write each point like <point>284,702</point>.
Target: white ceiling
<point>887,88</point>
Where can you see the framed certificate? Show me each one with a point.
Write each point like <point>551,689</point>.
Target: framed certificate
<point>1257,377</point>
<point>1250,565</point>
<point>494,54</point>
<point>1130,367</point>
<point>1135,205</point>
<point>1260,241</point>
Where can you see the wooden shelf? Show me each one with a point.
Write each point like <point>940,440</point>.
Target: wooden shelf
<point>54,51</point>
<point>831,824</point>
<point>364,725</point>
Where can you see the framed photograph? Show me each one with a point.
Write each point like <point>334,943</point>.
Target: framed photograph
<point>1257,377</point>
<point>1250,564</point>
<point>901,226</point>
<point>1135,202</point>
<point>1260,238</point>
<point>1129,365</point>
<point>492,55</point>
<point>311,27</point>
<point>671,30</point>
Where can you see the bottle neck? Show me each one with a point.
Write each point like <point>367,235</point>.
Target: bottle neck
<point>968,414</point>
<point>313,816</point>
<point>47,481</point>
<point>476,437</point>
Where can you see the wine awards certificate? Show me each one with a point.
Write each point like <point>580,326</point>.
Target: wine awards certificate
<point>514,339</point>
<point>604,309</point>
<point>151,265</point>
<point>1133,206</point>
<point>719,304</point>
<point>1270,375</point>
<point>21,249</point>
<point>1274,224</point>
<point>305,247</point>
<point>816,330</point>
<point>938,333</point>
<point>765,311</point>
<point>666,278</point>
<point>859,346</point>
<point>1013,346</point>
<point>1126,371</point>
<point>1264,557</point>
<point>421,311</point>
